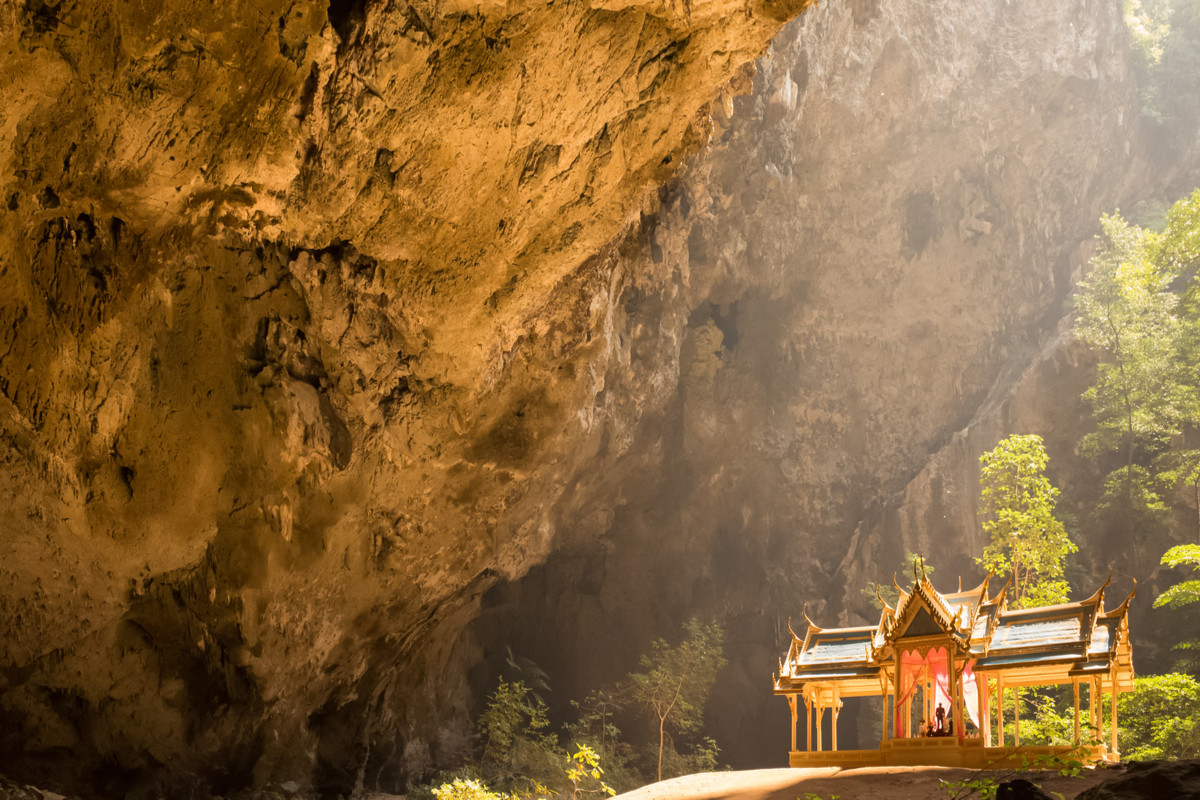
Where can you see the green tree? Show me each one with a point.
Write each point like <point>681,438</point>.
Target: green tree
<point>468,789</point>
<point>1185,592</point>
<point>585,773</point>
<point>518,748</point>
<point>1160,718</point>
<point>1017,513</point>
<point>595,725</point>
<point>674,682</point>
<point>1125,310</point>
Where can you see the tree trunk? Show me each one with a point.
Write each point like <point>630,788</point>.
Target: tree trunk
<point>1196,487</point>
<point>661,722</point>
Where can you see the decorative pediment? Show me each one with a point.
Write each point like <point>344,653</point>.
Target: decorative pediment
<point>920,623</point>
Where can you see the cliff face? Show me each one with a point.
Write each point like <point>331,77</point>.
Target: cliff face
<point>342,346</point>
<point>295,345</point>
<point>868,268</point>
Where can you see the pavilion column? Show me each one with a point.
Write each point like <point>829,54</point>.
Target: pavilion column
<point>1016,716</point>
<point>820,721</point>
<point>792,705</point>
<point>883,722</point>
<point>956,698</point>
<point>1000,710</point>
<point>837,706</point>
<point>926,696</point>
<point>981,710</point>
<point>808,722</point>
<point>1093,708</point>
<point>1075,687</point>
<point>1113,721</point>
<point>895,715</point>
<point>985,715</point>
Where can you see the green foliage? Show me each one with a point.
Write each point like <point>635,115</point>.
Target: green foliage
<point>1124,309</point>
<point>1047,717</point>
<point>985,783</point>
<point>674,682</point>
<point>1178,246</point>
<point>1140,306</point>
<point>519,751</point>
<point>701,756</point>
<point>468,789</point>
<point>1165,35</point>
<point>980,785</point>
<point>1149,23</point>
<point>1017,510</point>
<point>1185,592</point>
<point>585,774</point>
<point>595,725</point>
<point>1160,718</point>
<point>1132,497</point>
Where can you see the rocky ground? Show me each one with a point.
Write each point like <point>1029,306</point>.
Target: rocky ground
<point>865,783</point>
<point>1139,781</point>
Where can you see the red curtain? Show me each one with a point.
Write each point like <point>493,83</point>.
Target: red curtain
<point>937,660</point>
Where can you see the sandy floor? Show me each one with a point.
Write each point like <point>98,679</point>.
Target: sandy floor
<point>866,783</point>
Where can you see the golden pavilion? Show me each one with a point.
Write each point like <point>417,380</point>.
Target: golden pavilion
<point>943,667</point>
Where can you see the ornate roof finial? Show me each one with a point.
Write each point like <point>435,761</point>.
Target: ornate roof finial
<point>1121,609</point>
<point>811,624</point>
<point>1098,595</point>
<point>879,597</point>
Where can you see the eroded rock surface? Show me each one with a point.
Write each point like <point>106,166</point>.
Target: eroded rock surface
<point>320,323</point>
<point>295,343</point>
<point>860,289</point>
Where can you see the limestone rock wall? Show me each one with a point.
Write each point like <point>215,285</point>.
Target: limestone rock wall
<point>298,319</point>
<point>342,346</point>
<point>863,286</point>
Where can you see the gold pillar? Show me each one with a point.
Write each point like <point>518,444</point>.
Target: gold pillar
<point>981,710</point>
<point>1075,687</point>
<point>808,722</point>
<point>1016,716</point>
<point>926,696</point>
<point>892,718</point>
<point>1113,721</point>
<point>791,698</point>
<point>1000,710</point>
<point>837,706</point>
<point>820,720</point>
<point>985,716</point>
<point>883,726</point>
<point>955,697</point>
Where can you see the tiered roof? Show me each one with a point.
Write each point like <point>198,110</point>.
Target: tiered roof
<point>1048,644</point>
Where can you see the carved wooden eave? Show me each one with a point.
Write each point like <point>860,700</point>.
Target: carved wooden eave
<point>1122,610</point>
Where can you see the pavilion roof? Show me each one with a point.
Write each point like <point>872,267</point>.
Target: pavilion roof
<point>1081,636</point>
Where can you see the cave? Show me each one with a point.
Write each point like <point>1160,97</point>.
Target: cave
<point>352,353</point>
